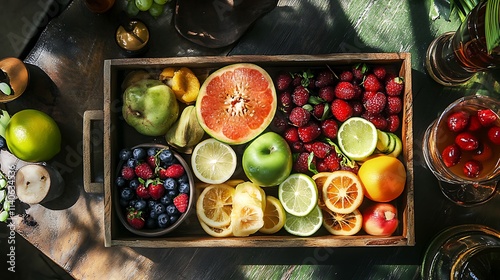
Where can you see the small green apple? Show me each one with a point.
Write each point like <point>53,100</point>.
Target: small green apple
<point>150,107</point>
<point>267,161</point>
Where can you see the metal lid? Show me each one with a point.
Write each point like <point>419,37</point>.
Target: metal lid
<point>132,36</point>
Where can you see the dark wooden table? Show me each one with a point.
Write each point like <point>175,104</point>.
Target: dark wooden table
<point>71,51</point>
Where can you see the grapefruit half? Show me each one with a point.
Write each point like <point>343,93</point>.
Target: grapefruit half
<point>236,103</point>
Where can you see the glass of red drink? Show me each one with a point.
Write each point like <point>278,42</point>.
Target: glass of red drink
<point>462,149</point>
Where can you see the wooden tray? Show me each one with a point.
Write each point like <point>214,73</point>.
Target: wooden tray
<point>117,135</point>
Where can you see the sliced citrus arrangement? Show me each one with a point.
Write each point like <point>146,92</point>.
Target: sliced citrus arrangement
<point>236,103</point>
<point>214,205</point>
<point>274,216</point>
<point>342,192</point>
<point>246,219</point>
<point>320,179</point>
<point>305,225</point>
<point>298,194</point>
<point>224,231</point>
<point>357,138</point>
<point>248,192</point>
<point>213,162</point>
<point>342,224</point>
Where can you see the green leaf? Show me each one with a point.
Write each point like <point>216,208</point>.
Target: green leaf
<point>492,25</point>
<point>4,215</point>
<point>310,165</point>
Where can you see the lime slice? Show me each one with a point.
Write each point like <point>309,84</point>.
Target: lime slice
<point>274,216</point>
<point>213,162</point>
<point>298,194</point>
<point>357,138</point>
<point>306,225</point>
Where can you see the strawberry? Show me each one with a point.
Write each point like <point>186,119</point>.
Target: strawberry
<point>309,132</point>
<point>142,192</point>
<point>379,72</point>
<point>283,81</point>
<point>346,76</point>
<point>181,202</point>
<point>324,78</point>
<point>327,93</point>
<point>394,105</point>
<point>300,96</point>
<point>128,173</point>
<point>371,83</point>
<point>341,110</point>
<point>135,218</point>
<point>486,117</point>
<point>299,116</point>
<point>394,87</point>
<point>144,171</point>
<point>291,135</point>
<point>301,164</point>
<point>376,103</point>
<point>345,90</point>
<point>175,171</point>
<point>329,128</point>
<point>156,190</point>
<point>319,149</point>
<point>376,119</point>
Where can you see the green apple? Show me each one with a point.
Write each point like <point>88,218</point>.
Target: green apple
<point>267,161</point>
<point>150,107</point>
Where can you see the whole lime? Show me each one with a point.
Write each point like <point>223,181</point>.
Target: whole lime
<point>33,136</point>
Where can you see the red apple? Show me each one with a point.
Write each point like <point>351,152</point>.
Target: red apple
<point>380,219</point>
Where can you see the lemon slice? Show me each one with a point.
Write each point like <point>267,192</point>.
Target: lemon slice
<point>225,231</point>
<point>213,162</point>
<point>342,192</point>
<point>274,216</point>
<point>214,205</point>
<point>246,219</point>
<point>248,192</point>
<point>298,194</point>
<point>357,138</point>
<point>306,225</point>
<point>342,224</point>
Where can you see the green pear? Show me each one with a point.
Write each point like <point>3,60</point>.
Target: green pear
<point>150,107</point>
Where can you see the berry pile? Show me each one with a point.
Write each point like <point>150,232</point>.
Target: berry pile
<point>475,140</point>
<point>153,187</point>
<point>312,106</point>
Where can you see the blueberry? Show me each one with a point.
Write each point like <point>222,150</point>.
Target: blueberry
<point>172,193</point>
<point>134,183</point>
<point>151,223</point>
<point>159,208</point>
<point>132,202</point>
<point>165,200</point>
<point>183,179</point>
<point>127,193</point>
<point>151,204</point>
<point>172,210</point>
<point>173,219</point>
<point>163,220</point>
<point>140,205</point>
<point>153,214</point>
<point>3,142</point>
<point>120,181</point>
<point>125,154</point>
<point>139,153</point>
<point>131,162</point>
<point>152,151</point>
<point>170,184</point>
<point>184,187</point>
<point>123,202</point>
<point>166,156</point>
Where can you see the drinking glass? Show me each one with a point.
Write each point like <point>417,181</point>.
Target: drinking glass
<point>454,184</point>
<point>463,252</point>
<point>454,57</point>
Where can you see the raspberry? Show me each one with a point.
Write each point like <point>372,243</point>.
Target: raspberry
<point>181,202</point>
<point>319,149</point>
<point>291,135</point>
<point>329,128</point>
<point>299,116</point>
<point>371,83</point>
<point>367,95</point>
<point>283,81</point>
<point>318,111</point>
<point>285,101</point>
<point>357,107</point>
<point>297,79</point>
<point>346,76</point>
<point>376,119</point>
<point>392,123</point>
<point>279,123</point>
<point>144,171</point>
<point>324,78</point>
<point>332,161</point>
<point>128,173</point>
<point>309,132</point>
<point>358,72</point>
<point>394,87</point>
<point>327,93</point>
<point>151,160</point>
<point>394,105</point>
<point>297,147</point>
<point>300,96</point>
<point>379,72</point>
<point>345,90</point>
<point>301,164</point>
<point>175,171</point>
<point>321,165</point>
<point>341,110</point>
<point>376,103</point>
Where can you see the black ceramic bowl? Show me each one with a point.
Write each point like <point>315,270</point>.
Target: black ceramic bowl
<point>120,206</point>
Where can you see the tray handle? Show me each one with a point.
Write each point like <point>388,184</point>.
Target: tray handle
<point>88,184</point>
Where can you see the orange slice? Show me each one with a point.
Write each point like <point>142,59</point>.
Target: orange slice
<point>342,192</point>
<point>274,216</point>
<point>342,224</point>
<point>320,179</point>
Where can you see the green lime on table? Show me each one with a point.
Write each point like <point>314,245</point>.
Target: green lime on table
<point>306,225</point>
<point>213,162</point>
<point>298,194</point>
<point>357,138</point>
<point>33,136</point>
